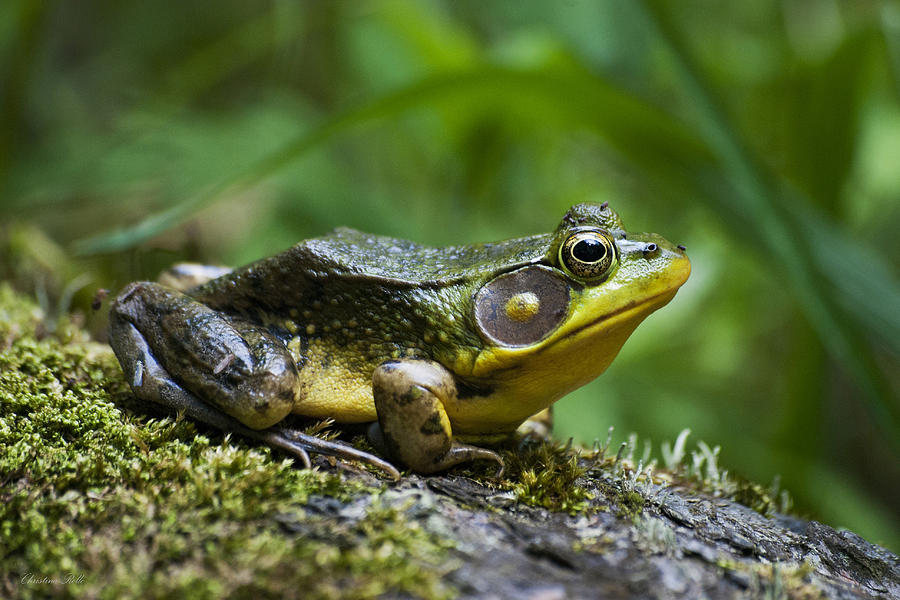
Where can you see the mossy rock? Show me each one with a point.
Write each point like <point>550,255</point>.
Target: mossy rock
<point>100,501</point>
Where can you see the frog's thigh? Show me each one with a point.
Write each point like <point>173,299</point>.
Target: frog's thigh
<point>236,367</point>
<point>409,398</point>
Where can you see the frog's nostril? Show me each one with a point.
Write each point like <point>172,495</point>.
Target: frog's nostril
<point>650,250</point>
<point>681,247</point>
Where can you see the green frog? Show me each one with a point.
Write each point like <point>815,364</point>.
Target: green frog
<point>442,350</point>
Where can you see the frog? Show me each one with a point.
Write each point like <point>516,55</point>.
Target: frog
<point>443,351</point>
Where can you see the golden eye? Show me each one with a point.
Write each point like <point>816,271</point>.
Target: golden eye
<point>589,254</point>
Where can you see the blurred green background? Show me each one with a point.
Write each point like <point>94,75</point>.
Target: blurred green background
<point>765,136</point>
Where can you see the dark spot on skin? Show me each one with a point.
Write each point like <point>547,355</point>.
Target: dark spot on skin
<point>286,394</point>
<point>257,281</point>
<point>604,206</point>
<point>409,396</point>
<point>304,351</point>
<point>390,366</point>
<point>432,426</point>
<point>262,407</point>
<point>467,390</point>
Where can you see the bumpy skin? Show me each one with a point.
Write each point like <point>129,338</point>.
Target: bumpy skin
<point>305,331</point>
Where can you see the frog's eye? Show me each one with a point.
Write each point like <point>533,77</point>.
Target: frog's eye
<point>522,307</point>
<point>588,255</point>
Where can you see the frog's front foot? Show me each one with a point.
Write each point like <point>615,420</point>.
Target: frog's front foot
<point>414,427</point>
<point>179,353</point>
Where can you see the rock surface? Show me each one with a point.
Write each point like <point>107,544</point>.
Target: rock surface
<point>682,544</point>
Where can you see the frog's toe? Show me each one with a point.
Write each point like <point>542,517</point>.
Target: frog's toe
<point>277,439</point>
<point>290,439</point>
<point>460,453</point>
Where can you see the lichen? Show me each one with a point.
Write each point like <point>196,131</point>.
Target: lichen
<point>700,471</point>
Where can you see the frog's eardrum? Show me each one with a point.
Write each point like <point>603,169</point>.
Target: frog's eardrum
<point>522,307</point>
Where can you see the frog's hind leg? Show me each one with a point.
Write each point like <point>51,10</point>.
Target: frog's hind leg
<point>234,376</point>
<point>412,423</point>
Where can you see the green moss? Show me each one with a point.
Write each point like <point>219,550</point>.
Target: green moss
<point>754,496</point>
<point>98,502</point>
<point>631,504</point>
<point>545,474</point>
<point>620,493</point>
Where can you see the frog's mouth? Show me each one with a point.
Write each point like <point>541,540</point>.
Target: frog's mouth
<point>633,311</point>
<point>625,316</point>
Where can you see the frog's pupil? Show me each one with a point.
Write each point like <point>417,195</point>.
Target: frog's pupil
<point>589,250</point>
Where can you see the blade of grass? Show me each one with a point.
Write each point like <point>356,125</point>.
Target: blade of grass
<point>637,130</point>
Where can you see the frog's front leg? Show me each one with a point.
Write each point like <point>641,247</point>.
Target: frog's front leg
<point>232,375</point>
<point>409,398</point>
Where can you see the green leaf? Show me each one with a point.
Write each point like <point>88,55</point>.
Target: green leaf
<point>633,127</point>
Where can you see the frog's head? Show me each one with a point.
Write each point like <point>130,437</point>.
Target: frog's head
<point>552,326</point>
